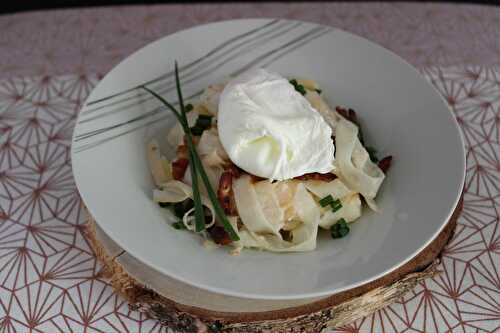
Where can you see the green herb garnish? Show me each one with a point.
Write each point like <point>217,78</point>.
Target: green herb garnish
<point>196,130</point>
<point>199,216</point>
<point>336,205</point>
<point>339,229</point>
<point>178,225</point>
<point>373,154</point>
<point>189,107</point>
<point>298,87</point>
<point>196,167</point>
<point>326,201</point>
<point>181,208</point>
<point>181,117</point>
<point>204,121</point>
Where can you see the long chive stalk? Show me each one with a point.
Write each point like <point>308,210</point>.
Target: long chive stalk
<point>215,202</point>
<point>198,208</point>
<point>196,162</point>
<point>199,215</point>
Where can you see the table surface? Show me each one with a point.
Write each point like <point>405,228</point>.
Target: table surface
<point>49,278</point>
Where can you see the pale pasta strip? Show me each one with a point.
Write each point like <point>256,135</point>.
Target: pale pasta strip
<point>175,136</point>
<point>336,188</point>
<point>318,103</point>
<point>209,99</point>
<point>158,164</point>
<point>249,208</point>
<point>303,237</point>
<point>210,144</point>
<point>350,211</point>
<point>355,169</point>
<point>175,191</point>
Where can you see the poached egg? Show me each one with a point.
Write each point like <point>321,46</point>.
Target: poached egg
<point>270,130</point>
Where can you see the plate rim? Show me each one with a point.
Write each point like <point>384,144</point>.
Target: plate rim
<point>294,296</point>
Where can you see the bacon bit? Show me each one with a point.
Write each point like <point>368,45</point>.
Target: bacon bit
<point>219,235</point>
<point>182,152</point>
<point>348,114</point>
<point>233,170</point>
<point>327,177</point>
<point>343,112</point>
<point>225,193</point>
<point>385,163</point>
<point>179,167</point>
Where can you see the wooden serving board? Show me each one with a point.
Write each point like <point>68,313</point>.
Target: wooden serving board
<point>185,308</point>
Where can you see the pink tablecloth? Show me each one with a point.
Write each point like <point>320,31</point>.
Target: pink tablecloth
<point>49,279</point>
<point>93,40</point>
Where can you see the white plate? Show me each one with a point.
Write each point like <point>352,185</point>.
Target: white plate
<point>401,115</point>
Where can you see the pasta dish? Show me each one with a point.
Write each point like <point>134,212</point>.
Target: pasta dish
<point>283,164</point>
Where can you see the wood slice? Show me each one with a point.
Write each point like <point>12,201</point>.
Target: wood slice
<point>188,309</point>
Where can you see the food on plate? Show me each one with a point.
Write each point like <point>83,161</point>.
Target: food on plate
<point>270,130</point>
<point>263,162</point>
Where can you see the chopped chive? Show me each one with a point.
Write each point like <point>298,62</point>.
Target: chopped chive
<point>336,205</point>
<point>205,117</point>
<point>373,154</point>
<point>204,121</point>
<point>326,201</point>
<point>300,88</point>
<point>189,107</point>
<point>181,208</point>
<point>178,225</point>
<point>196,130</point>
<point>339,229</point>
<point>319,91</point>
